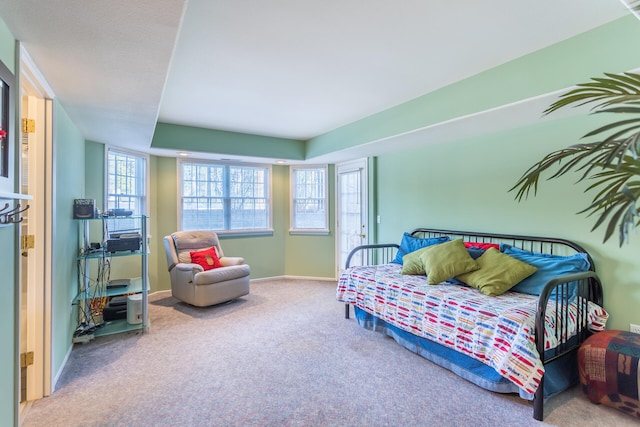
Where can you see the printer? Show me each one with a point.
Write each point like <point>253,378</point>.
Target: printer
<point>121,242</point>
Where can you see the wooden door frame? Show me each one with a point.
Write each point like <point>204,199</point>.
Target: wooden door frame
<point>40,379</point>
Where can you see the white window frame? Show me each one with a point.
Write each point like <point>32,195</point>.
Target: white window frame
<point>142,187</point>
<point>227,164</point>
<point>293,176</point>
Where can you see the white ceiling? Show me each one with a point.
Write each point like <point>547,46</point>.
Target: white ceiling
<point>285,68</point>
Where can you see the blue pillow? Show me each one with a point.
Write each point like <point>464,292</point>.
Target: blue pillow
<point>549,267</point>
<point>410,244</point>
<point>475,252</point>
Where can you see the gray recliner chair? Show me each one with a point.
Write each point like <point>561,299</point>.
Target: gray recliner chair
<point>193,284</point>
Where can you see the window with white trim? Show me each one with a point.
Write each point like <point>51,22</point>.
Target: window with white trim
<point>126,182</point>
<point>309,200</point>
<point>225,197</point>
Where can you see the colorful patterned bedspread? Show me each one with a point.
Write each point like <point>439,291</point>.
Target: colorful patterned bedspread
<point>498,331</point>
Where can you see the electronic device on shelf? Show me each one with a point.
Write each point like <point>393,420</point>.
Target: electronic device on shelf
<point>115,309</point>
<point>118,242</point>
<point>84,208</point>
<point>118,283</point>
<point>119,212</point>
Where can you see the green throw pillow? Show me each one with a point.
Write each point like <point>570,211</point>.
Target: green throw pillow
<point>411,263</point>
<point>446,260</point>
<point>498,273</point>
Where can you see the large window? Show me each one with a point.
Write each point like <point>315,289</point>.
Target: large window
<point>227,198</point>
<point>309,200</point>
<point>126,182</point>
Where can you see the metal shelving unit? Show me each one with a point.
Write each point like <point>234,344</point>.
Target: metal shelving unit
<point>92,283</point>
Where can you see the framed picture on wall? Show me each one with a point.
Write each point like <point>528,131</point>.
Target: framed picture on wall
<point>7,137</point>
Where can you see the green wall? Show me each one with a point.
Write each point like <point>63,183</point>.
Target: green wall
<point>94,153</point>
<point>195,139</point>
<point>464,186</point>
<point>8,288</point>
<point>610,48</point>
<point>274,255</point>
<point>68,149</point>
<point>165,217</point>
<point>308,255</point>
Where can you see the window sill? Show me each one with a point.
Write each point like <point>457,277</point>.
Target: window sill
<point>244,233</point>
<point>295,232</point>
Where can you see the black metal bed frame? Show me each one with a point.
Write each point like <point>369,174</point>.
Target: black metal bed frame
<point>589,288</point>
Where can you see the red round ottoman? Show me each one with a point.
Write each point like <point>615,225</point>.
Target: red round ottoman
<point>608,367</point>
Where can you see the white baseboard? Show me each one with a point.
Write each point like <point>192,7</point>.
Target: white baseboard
<point>56,377</point>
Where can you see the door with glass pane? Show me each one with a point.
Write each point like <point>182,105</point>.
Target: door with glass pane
<point>352,226</point>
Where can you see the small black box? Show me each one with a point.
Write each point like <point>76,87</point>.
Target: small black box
<point>115,309</point>
<point>117,301</point>
<point>114,313</point>
<point>84,208</point>
<point>124,242</point>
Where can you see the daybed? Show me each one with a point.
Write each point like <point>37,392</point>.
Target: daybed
<point>509,339</point>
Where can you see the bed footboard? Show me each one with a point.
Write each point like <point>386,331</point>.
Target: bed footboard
<point>370,255</point>
<point>559,293</point>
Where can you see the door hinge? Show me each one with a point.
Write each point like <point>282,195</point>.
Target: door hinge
<point>28,125</point>
<point>26,359</point>
<point>27,241</point>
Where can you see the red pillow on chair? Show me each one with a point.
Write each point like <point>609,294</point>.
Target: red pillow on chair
<point>207,258</point>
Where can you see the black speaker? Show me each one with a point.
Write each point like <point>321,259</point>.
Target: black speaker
<point>84,208</point>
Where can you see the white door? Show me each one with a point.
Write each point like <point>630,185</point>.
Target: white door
<point>351,191</point>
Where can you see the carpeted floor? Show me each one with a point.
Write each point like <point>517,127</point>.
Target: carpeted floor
<point>282,356</point>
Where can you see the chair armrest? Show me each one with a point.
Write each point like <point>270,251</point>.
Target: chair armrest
<point>194,268</point>
<point>222,274</point>
<point>227,261</point>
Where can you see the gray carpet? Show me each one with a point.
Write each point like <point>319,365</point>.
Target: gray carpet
<point>281,356</point>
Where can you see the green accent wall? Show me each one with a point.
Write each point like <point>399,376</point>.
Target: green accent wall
<point>610,48</point>
<point>156,258</point>
<point>274,255</point>
<point>69,174</point>
<point>164,218</point>
<point>465,186</point>
<point>195,139</point>
<point>94,159</point>
<point>8,287</point>
<point>7,47</point>
<point>7,326</point>
<point>312,255</point>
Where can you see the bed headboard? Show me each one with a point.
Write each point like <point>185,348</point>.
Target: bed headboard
<point>544,245</point>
